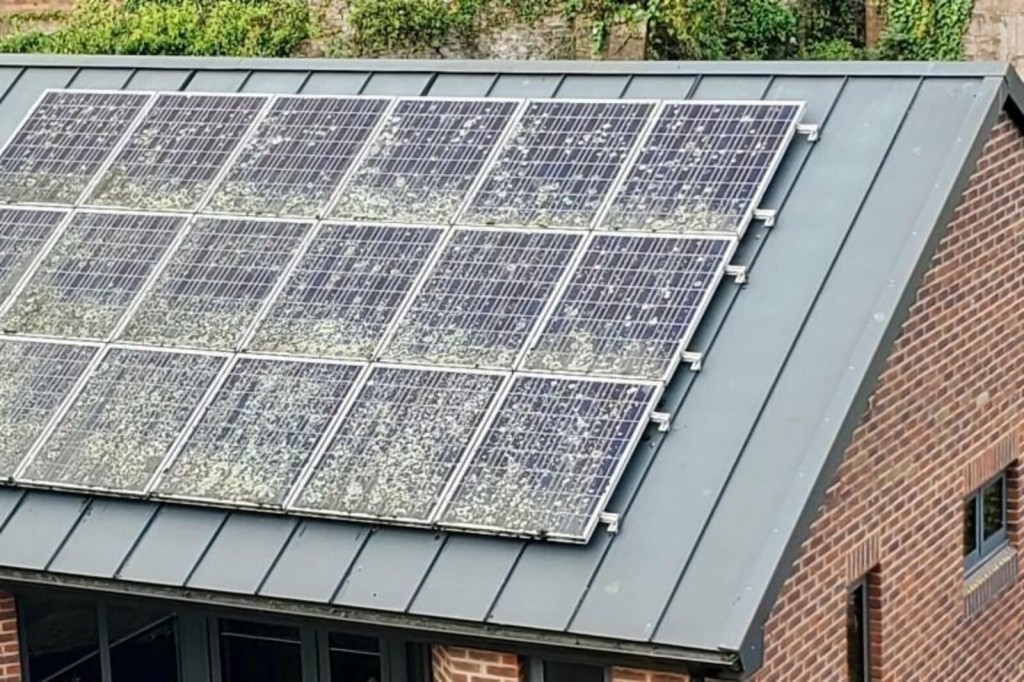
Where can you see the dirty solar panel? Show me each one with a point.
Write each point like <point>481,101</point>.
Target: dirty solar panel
<point>259,431</point>
<point>552,457</point>
<point>704,167</point>
<point>22,234</point>
<point>36,379</point>
<point>125,419</point>
<point>400,443</point>
<point>62,144</point>
<point>420,165</point>
<point>215,283</point>
<point>297,156</point>
<point>345,290</point>
<point>176,151</point>
<point>558,164</point>
<point>92,274</point>
<point>482,298</point>
<point>631,306</point>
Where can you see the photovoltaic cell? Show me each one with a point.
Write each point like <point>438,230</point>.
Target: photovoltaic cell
<point>215,283</point>
<point>259,431</point>
<point>297,156</point>
<point>91,275</point>
<point>631,305</point>
<point>63,143</point>
<point>482,298</point>
<point>400,443</point>
<point>176,151</point>
<point>345,290</point>
<point>120,427</point>
<point>704,167</point>
<point>420,165</point>
<point>551,458</point>
<point>22,234</point>
<point>559,164</point>
<point>36,379</point>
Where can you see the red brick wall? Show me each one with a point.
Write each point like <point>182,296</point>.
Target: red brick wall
<point>944,417</point>
<point>452,664</point>
<point>10,660</point>
<point>633,675</point>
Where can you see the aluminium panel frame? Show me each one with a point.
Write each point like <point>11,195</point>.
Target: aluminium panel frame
<point>650,406</point>
<point>36,261</point>
<point>430,266</point>
<point>250,133</point>
<point>291,502</point>
<point>684,342</point>
<point>179,444</point>
<point>87,189</point>
<point>513,125</point>
<point>762,188</point>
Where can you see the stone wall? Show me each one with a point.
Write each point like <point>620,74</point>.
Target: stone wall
<point>997,32</point>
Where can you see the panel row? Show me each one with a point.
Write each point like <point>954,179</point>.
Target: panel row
<point>528,455</point>
<point>552,301</point>
<point>623,165</point>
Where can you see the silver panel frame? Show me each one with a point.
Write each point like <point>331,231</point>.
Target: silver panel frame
<point>41,253</point>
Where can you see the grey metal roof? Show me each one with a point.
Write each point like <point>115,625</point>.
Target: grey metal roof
<point>714,510</point>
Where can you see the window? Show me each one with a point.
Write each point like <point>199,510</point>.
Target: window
<point>985,521</point>
<point>143,644</point>
<point>858,641</point>
<point>353,658</point>
<point>259,652</point>
<point>555,671</point>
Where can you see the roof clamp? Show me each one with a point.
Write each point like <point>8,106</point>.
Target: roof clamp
<point>737,271</point>
<point>694,359</point>
<point>662,419</point>
<point>765,215</point>
<point>808,129</point>
<point>612,521</point>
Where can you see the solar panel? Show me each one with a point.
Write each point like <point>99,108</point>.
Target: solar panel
<point>62,144</point>
<point>215,283</point>
<point>552,457</point>
<point>176,151</point>
<point>22,233</point>
<point>399,445</point>
<point>704,167</point>
<point>631,305</point>
<point>36,379</point>
<point>559,163</point>
<point>261,428</point>
<point>297,156</point>
<point>120,426</point>
<point>421,164</point>
<point>482,298</point>
<point>346,290</point>
<point>92,274</point>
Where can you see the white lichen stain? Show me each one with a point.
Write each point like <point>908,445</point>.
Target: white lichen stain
<point>428,340</point>
<point>119,188</point>
<point>544,465</point>
<point>259,432</point>
<point>192,321</point>
<point>129,414</point>
<point>263,199</point>
<point>398,203</point>
<point>399,446</point>
<point>635,213</point>
<point>600,353</point>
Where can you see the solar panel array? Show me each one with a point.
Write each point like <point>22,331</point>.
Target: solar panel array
<point>443,312</point>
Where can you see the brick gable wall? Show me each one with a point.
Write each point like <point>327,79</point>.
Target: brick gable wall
<point>945,416</point>
<point>10,658</point>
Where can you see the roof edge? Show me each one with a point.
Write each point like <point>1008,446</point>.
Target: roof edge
<point>1009,91</point>
<point>612,651</point>
<point>567,67</point>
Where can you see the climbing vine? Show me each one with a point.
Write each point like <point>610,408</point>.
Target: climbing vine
<point>926,29</point>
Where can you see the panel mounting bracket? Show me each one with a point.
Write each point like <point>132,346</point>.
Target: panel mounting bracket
<point>766,215</point>
<point>737,271</point>
<point>662,419</point>
<point>808,129</point>
<point>612,521</point>
<point>694,359</point>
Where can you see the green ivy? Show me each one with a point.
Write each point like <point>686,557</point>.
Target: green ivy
<point>244,28</point>
<point>926,29</point>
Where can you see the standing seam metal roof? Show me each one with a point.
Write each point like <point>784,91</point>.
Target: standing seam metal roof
<point>712,511</point>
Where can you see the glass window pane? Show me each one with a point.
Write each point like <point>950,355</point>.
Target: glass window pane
<point>354,658</point>
<point>62,638</point>
<point>257,652</point>
<point>856,635</point>
<point>992,507</point>
<point>143,644</point>
<point>970,526</point>
<point>571,672</point>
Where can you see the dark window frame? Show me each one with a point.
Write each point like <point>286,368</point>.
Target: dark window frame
<point>863,637</point>
<point>974,505</point>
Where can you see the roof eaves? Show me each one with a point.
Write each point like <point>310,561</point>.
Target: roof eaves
<point>851,396</point>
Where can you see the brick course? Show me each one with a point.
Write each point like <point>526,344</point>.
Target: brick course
<point>10,659</point>
<point>944,417</point>
<point>454,664</point>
